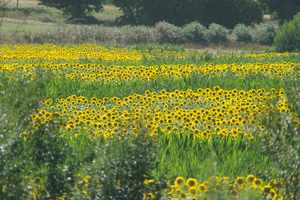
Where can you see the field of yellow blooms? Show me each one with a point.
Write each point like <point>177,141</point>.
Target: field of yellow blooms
<point>204,113</point>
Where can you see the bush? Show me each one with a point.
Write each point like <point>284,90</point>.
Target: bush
<point>216,34</point>
<point>225,12</point>
<point>163,32</point>
<point>128,162</point>
<point>242,33</point>
<point>169,32</point>
<point>17,100</point>
<point>139,34</point>
<point>281,143</point>
<point>288,37</point>
<point>264,33</point>
<point>194,32</point>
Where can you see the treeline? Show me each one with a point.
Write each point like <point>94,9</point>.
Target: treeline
<point>179,12</point>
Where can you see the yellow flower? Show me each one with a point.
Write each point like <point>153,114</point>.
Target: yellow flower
<point>149,181</point>
<point>193,191</point>
<point>257,182</point>
<point>179,181</point>
<point>267,189</point>
<point>273,194</point>
<point>203,187</point>
<point>240,180</point>
<point>191,182</point>
<point>250,178</point>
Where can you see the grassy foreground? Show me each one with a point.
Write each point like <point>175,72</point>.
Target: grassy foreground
<point>93,122</point>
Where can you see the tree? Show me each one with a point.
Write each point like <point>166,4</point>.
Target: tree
<point>179,12</point>
<point>3,6</point>
<point>232,12</point>
<point>285,9</point>
<point>75,8</point>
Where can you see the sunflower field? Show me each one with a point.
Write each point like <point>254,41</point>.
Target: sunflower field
<point>89,122</point>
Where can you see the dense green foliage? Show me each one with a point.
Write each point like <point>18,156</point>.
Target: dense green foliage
<point>227,13</point>
<point>288,37</point>
<point>75,8</point>
<point>118,168</point>
<point>285,9</point>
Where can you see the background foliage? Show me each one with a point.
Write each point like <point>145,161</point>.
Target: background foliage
<point>288,37</point>
<point>227,13</point>
<point>75,8</point>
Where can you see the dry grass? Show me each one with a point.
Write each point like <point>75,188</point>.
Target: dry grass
<point>24,3</point>
<point>31,10</point>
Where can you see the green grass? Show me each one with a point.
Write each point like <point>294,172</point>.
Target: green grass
<point>61,87</point>
<point>180,155</point>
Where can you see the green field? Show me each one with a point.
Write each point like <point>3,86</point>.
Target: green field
<point>149,100</point>
<point>87,121</point>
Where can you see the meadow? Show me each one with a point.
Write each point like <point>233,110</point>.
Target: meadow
<point>148,122</point>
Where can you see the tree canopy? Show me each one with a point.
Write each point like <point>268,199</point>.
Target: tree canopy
<point>75,8</point>
<point>179,12</point>
<point>285,9</point>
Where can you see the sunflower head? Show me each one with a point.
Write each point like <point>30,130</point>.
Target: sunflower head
<point>272,193</point>
<point>179,181</point>
<point>267,189</point>
<point>182,195</point>
<point>240,180</point>
<point>250,178</point>
<point>203,187</point>
<point>191,182</point>
<point>257,182</point>
<point>193,190</point>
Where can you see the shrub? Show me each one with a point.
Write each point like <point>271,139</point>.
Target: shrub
<point>281,143</point>
<point>216,34</point>
<point>288,37</point>
<point>163,32</point>
<point>242,33</point>
<point>264,33</point>
<point>139,34</point>
<point>194,32</point>
<point>127,163</point>
<point>169,32</point>
<point>17,100</point>
<point>224,12</point>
